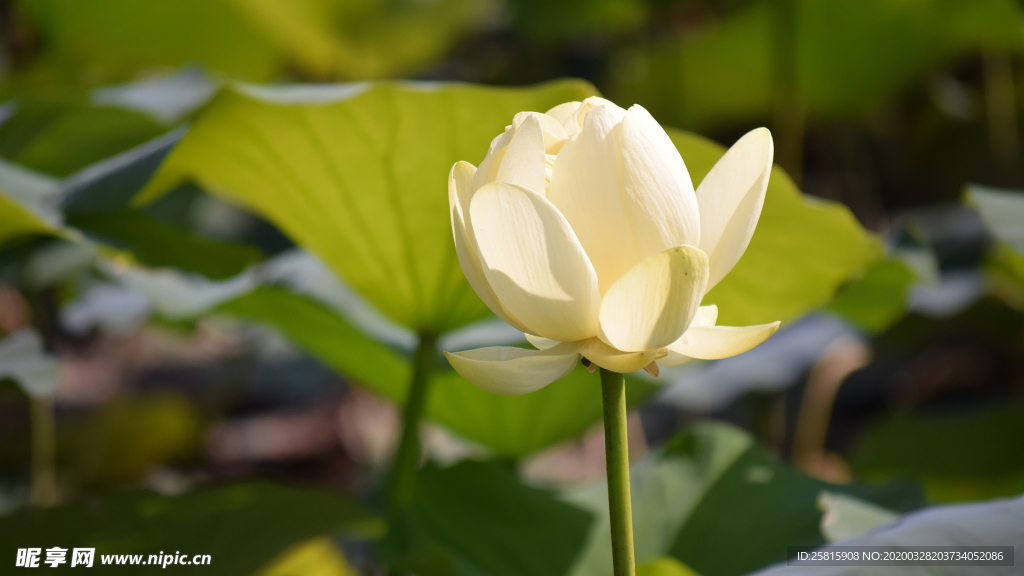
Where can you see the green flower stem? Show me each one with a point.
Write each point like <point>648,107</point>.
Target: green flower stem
<point>402,482</point>
<point>616,446</point>
<point>44,439</point>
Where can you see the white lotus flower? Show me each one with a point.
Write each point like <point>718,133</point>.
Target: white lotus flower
<point>582,229</point>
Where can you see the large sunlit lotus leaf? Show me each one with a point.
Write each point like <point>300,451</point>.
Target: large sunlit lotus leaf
<point>802,251</point>
<point>850,56</point>
<point>356,174</point>
<point>509,426</point>
<point>241,526</point>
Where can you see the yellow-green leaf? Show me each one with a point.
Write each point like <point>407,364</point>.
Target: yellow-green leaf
<point>357,174</point>
<point>802,251</point>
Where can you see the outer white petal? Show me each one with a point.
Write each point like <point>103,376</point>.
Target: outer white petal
<point>460,184</point>
<point>706,316</point>
<point>524,162</point>
<point>513,371</point>
<point>651,306</point>
<point>625,190</point>
<point>540,342</point>
<point>616,360</point>
<point>534,263</point>
<point>488,169</point>
<point>715,342</point>
<point>730,199</point>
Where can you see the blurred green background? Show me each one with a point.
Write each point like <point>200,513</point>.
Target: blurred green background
<point>223,235</point>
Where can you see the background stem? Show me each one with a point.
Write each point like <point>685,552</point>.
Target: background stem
<point>789,118</point>
<point>616,445</point>
<point>1001,105</point>
<point>44,438</point>
<point>402,482</point>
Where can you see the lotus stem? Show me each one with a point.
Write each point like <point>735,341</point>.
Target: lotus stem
<point>1000,101</point>
<point>616,445</point>
<point>44,439</point>
<point>402,483</point>
<point>789,117</point>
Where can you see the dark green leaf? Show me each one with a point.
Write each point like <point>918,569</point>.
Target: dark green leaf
<point>879,299</point>
<point>240,526</point>
<point>157,244</point>
<point>483,514</point>
<point>962,455</point>
<point>62,137</point>
<point>713,487</point>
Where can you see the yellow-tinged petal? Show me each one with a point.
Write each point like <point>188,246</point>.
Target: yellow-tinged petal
<point>615,360</point>
<point>623,187</point>
<point>540,342</point>
<point>524,162</point>
<point>716,342</point>
<point>553,137</point>
<point>730,199</point>
<point>460,184</point>
<point>705,316</point>
<point>653,304</point>
<point>534,263</point>
<point>513,371</point>
<point>668,359</point>
<point>563,113</point>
